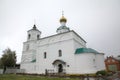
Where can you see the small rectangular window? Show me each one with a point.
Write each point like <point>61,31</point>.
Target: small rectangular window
<point>45,55</point>
<point>60,53</point>
<point>29,36</point>
<point>38,36</point>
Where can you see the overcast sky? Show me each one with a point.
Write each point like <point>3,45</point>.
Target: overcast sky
<point>96,21</point>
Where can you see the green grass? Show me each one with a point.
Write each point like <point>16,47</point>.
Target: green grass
<point>28,77</point>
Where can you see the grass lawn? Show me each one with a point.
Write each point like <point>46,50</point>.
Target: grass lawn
<point>28,77</point>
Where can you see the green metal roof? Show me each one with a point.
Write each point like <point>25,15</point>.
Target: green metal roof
<point>34,60</point>
<point>85,50</point>
<point>62,27</point>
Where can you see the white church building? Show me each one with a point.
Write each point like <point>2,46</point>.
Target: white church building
<point>64,52</point>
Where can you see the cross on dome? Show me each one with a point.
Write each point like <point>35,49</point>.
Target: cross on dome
<point>63,19</point>
<point>62,13</point>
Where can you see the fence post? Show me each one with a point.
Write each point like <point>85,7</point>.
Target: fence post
<point>87,76</point>
<point>46,72</point>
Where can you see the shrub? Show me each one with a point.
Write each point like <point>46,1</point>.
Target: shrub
<point>102,72</point>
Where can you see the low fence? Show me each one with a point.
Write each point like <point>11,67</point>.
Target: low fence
<point>14,71</point>
<point>68,77</point>
<point>1,71</point>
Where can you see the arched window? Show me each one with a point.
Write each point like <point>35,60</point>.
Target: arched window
<point>29,36</point>
<point>45,55</point>
<point>60,53</point>
<point>38,36</point>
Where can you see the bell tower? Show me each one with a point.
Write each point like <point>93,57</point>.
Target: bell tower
<point>33,34</point>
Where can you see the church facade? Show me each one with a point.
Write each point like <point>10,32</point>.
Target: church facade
<point>64,52</point>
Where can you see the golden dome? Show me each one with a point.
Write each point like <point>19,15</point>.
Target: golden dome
<point>63,19</point>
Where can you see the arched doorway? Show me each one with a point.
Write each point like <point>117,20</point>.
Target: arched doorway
<point>60,68</point>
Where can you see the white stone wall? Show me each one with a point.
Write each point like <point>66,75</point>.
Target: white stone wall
<point>29,67</point>
<point>100,61</point>
<point>86,63</point>
<point>52,55</point>
<point>78,39</point>
<point>29,45</point>
<point>89,62</point>
<point>67,42</point>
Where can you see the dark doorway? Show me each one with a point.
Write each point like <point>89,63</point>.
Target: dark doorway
<point>60,68</point>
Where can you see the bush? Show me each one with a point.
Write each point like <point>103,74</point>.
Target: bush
<point>102,72</point>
